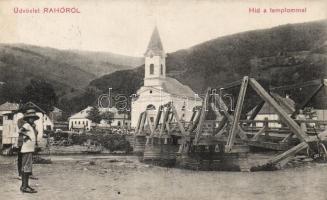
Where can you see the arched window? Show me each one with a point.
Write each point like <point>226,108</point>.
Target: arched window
<point>151,68</point>
<point>161,69</point>
<point>118,123</point>
<point>150,107</point>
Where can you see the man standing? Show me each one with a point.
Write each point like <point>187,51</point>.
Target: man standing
<point>28,148</point>
<point>20,124</point>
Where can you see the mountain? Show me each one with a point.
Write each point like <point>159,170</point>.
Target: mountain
<point>69,71</point>
<point>223,60</point>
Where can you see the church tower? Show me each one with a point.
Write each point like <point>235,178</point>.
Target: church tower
<point>155,62</point>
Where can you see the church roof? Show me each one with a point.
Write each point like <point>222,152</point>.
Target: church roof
<point>155,45</point>
<point>173,86</point>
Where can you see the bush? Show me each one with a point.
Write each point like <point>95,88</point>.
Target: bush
<point>112,142</point>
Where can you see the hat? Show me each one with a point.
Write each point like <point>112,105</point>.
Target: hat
<point>31,114</point>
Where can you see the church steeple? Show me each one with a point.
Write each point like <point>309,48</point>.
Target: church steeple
<point>155,61</point>
<point>155,45</point>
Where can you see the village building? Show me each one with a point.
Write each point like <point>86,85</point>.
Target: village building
<point>159,89</point>
<point>56,114</point>
<point>6,108</point>
<point>10,119</point>
<point>119,119</point>
<point>319,101</point>
<point>267,112</point>
<point>80,122</point>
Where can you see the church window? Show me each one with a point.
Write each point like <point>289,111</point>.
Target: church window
<point>151,119</point>
<point>150,107</point>
<point>161,69</point>
<point>150,91</point>
<point>118,123</point>
<point>151,68</point>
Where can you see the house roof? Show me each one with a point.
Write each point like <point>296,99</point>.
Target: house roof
<point>9,106</point>
<point>84,113</point>
<point>287,104</point>
<point>30,104</point>
<point>155,45</point>
<point>81,114</point>
<point>55,109</point>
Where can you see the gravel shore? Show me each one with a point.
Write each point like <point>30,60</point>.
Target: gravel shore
<point>123,177</point>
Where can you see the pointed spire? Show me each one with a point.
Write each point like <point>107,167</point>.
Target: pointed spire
<point>155,45</point>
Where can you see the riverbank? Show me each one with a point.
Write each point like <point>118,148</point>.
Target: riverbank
<point>124,177</point>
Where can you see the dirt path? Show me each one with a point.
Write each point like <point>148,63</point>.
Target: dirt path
<point>126,178</point>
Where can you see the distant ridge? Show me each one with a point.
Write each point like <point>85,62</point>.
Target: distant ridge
<point>68,70</point>
<point>226,59</point>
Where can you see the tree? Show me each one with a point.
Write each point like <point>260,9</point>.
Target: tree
<point>94,115</point>
<point>108,116</point>
<point>41,93</point>
<point>10,92</point>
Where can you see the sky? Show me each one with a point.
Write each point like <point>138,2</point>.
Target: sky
<point>125,26</point>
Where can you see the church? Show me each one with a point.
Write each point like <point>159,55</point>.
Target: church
<point>159,89</point>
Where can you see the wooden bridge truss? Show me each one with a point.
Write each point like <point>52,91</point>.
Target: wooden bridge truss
<point>230,134</point>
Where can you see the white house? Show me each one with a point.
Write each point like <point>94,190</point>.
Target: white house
<point>10,128</point>
<point>80,121</point>
<point>268,112</point>
<point>159,89</point>
<point>119,119</point>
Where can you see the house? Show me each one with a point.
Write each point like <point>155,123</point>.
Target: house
<point>10,128</point>
<point>310,94</point>
<point>268,112</point>
<point>80,121</point>
<point>319,101</point>
<point>5,108</point>
<point>119,119</point>
<point>159,89</point>
<point>56,114</point>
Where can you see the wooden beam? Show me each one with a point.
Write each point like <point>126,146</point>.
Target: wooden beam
<point>179,123</point>
<point>279,110</point>
<point>295,86</point>
<point>203,115</point>
<point>142,123</point>
<point>288,153</point>
<point>256,110</point>
<point>164,120</point>
<point>262,130</point>
<point>139,123</point>
<point>282,102</point>
<point>307,99</point>
<point>237,115</point>
<point>222,124</point>
<point>194,123</point>
<point>224,112</point>
<point>156,123</point>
